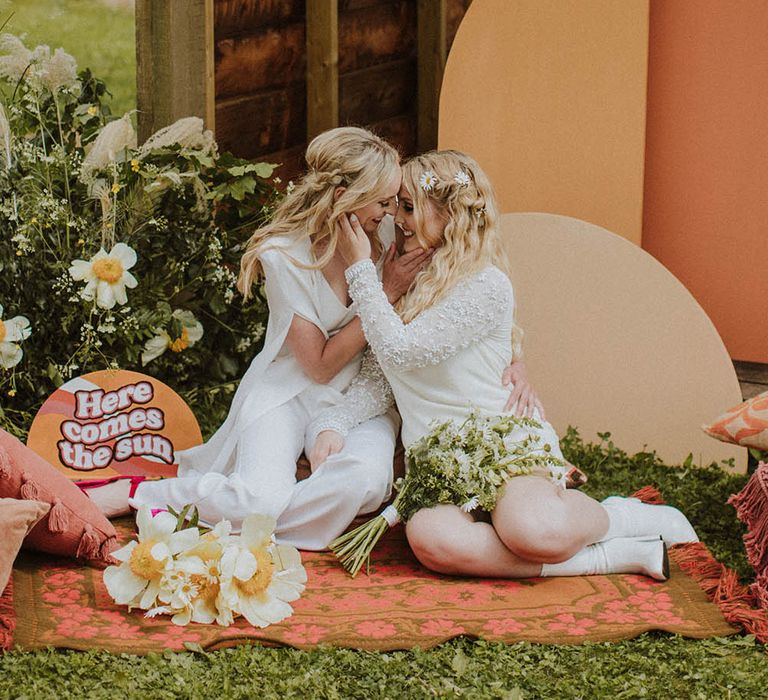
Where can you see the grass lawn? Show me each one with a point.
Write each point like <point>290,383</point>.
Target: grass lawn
<point>98,33</point>
<point>651,666</point>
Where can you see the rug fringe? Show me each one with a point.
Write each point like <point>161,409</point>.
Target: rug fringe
<point>7,616</point>
<point>735,600</point>
<point>751,505</point>
<point>649,494</point>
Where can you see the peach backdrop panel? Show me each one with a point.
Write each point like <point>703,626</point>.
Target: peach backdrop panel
<point>614,342</point>
<point>550,97</point>
<point>706,186</point>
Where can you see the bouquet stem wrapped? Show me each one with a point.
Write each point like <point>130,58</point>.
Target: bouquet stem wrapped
<point>464,465</point>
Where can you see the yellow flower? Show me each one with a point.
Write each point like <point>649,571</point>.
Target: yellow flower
<point>80,242</point>
<point>190,332</point>
<point>115,188</point>
<point>11,392</point>
<point>135,165</point>
<point>93,110</point>
<point>259,578</point>
<point>106,275</point>
<point>33,220</point>
<point>19,253</point>
<point>136,581</point>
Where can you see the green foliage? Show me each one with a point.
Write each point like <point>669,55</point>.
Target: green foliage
<point>73,183</point>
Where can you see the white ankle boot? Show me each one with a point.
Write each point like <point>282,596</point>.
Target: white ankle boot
<point>620,555</point>
<point>630,517</point>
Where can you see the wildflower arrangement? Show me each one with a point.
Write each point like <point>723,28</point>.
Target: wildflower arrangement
<point>115,253</point>
<point>207,576</point>
<point>460,464</point>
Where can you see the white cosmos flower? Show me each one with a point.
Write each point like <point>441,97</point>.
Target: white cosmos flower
<point>106,275</point>
<point>461,178</point>
<point>428,180</point>
<point>259,578</point>
<point>12,332</point>
<point>136,582</point>
<point>188,330</point>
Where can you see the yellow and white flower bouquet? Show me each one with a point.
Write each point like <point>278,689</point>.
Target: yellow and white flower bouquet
<point>206,576</point>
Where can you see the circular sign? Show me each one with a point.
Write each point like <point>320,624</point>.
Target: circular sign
<point>111,423</point>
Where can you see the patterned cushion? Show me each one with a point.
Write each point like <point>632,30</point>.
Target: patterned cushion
<point>745,424</point>
<point>74,527</point>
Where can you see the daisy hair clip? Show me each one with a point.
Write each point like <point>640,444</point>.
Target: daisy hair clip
<point>461,178</point>
<point>428,180</point>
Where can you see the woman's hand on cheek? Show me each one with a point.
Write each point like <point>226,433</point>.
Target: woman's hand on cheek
<point>353,244</point>
<point>400,271</point>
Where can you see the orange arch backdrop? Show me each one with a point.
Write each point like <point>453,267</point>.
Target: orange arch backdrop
<point>706,180</point>
<point>549,96</point>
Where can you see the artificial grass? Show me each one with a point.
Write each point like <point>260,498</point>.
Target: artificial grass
<point>653,665</point>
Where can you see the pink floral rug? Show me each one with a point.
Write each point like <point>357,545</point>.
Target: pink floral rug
<point>398,605</point>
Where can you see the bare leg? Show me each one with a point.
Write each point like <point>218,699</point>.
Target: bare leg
<point>540,521</point>
<point>448,540</point>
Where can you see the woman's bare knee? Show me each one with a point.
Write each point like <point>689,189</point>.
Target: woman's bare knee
<point>431,534</point>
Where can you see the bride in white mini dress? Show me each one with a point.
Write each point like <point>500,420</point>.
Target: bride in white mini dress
<point>440,349</point>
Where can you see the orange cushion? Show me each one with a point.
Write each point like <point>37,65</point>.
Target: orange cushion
<point>74,526</point>
<point>745,424</point>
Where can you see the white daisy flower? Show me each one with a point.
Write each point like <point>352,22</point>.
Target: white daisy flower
<point>186,330</point>
<point>428,180</point>
<point>461,178</point>
<point>106,275</point>
<point>12,331</point>
<point>136,581</point>
<point>259,578</point>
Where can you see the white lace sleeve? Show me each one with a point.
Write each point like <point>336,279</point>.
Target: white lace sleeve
<point>368,396</point>
<point>469,311</point>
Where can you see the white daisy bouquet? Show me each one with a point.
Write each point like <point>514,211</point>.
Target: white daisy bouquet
<point>198,575</point>
<point>460,464</point>
<point>113,252</point>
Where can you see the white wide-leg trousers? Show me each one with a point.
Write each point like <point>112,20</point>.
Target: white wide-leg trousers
<point>309,513</point>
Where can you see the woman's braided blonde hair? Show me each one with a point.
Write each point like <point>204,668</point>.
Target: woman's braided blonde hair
<point>349,157</point>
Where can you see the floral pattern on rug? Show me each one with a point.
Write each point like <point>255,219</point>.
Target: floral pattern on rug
<point>397,604</point>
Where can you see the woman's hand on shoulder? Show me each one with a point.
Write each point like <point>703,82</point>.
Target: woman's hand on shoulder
<point>522,397</point>
<point>328,443</point>
<point>353,243</point>
<point>401,270</point>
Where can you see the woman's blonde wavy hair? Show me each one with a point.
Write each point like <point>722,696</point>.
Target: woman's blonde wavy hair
<point>348,157</point>
<point>463,196</point>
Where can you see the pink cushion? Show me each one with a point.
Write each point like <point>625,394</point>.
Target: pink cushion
<point>745,424</point>
<point>74,526</point>
<point>17,518</point>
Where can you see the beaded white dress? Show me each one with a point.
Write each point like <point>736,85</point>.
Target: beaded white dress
<point>445,362</point>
